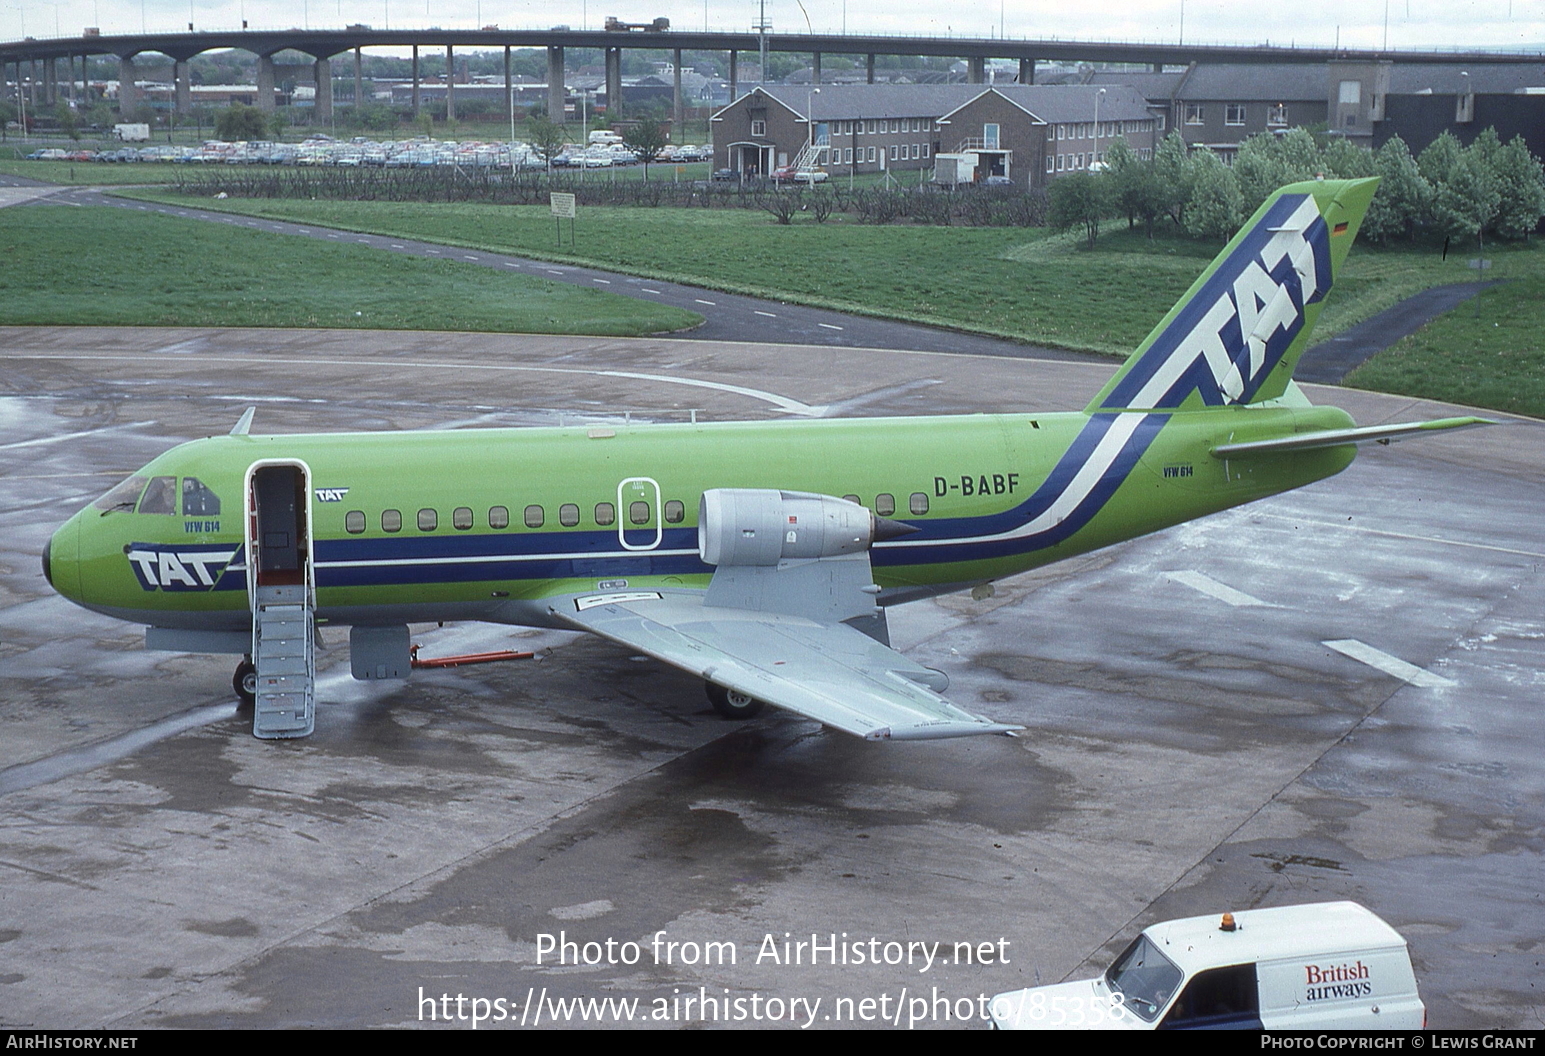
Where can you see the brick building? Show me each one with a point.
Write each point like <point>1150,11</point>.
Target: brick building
<point>1028,133</point>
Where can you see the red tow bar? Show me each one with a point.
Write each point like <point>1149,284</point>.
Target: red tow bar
<point>468,658</point>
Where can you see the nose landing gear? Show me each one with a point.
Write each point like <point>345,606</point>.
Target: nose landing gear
<point>244,682</point>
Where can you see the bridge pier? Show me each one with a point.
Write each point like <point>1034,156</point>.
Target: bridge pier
<point>450,83</point>
<point>265,83</point>
<point>815,67</point>
<point>323,76</point>
<point>678,109</point>
<point>734,75</point>
<point>613,82</point>
<point>555,92</point>
<point>415,81</point>
<point>1026,71</point>
<point>182,81</point>
<point>869,68</point>
<point>128,92</point>
<point>509,90</point>
<point>359,82</point>
<point>976,70</point>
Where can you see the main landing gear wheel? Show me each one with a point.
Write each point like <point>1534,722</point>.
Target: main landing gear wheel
<point>731,703</point>
<point>244,682</point>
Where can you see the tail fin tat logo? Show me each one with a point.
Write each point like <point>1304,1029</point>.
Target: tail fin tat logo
<point>1227,338</point>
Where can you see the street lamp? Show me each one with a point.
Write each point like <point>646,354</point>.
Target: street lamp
<point>810,122</point>
<point>1096,157</point>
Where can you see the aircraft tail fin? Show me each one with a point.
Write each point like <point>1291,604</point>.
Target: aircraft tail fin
<point>1236,335</point>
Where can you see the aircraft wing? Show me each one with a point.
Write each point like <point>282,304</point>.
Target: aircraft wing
<point>824,671</point>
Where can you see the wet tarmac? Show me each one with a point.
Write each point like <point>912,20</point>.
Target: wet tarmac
<point>1332,694</point>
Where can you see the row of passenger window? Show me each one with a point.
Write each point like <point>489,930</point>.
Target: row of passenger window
<point>534,516</point>
<point>885,503</point>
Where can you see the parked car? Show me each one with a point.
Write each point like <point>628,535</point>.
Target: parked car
<point>1324,966</point>
<point>788,174</point>
<point>725,175</point>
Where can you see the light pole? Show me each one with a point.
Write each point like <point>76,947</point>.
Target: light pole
<point>810,122</point>
<point>1096,157</point>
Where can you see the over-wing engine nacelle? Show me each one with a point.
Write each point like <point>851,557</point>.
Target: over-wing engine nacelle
<point>761,527</point>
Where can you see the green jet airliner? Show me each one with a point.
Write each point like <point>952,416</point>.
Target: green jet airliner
<point>757,555</point>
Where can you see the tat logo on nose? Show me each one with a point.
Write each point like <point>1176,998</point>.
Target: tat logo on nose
<point>179,567</point>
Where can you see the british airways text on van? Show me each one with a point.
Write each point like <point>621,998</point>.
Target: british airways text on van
<point>1330,965</point>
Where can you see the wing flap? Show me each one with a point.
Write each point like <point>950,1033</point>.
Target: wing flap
<point>827,672</point>
<point>1382,434</point>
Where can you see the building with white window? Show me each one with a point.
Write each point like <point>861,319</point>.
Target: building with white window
<point>1027,133</point>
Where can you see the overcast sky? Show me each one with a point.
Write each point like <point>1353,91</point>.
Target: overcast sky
<point>1356,23</point>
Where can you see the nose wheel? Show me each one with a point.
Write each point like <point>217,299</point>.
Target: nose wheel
<point>244,682</point>
<point>731,703</point>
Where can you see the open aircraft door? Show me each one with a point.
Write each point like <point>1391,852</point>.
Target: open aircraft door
<point>282,592</point>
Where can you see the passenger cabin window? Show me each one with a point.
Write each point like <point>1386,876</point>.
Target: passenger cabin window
<point>160,497</point>
<point>499,517</point>
<point>675,512</point>
<point>918,503</point>
<point>638,512</point>
<point>535,516</point>
<point>853,499</point>
<point>568,515</point>
<point>354,522</point>
<point>885,504</point>
<point>391,520</point>
<point>461,518</point>
<point>605,514</point>
<point>197,500</point>
<point>428,520</point>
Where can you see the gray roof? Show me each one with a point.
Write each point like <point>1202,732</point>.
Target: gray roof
<point>1485,78</point>
<point>1279,82</point>
<point>1151,85</point>
<point>1052,103</point>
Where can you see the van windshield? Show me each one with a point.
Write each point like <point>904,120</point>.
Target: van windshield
<point>1144,977</point>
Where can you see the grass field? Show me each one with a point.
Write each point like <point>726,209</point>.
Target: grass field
<point>88,173</point>
<point>112,267</point>
<point>1024,284</point>
<point>1487,353</point>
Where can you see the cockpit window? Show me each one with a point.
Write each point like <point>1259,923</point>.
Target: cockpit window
<point>160,497</point>
<point>123,497</point>
<point>1144,977</point>
<point>198,500</point>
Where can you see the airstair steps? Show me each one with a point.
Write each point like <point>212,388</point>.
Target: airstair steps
<point>282,649</point>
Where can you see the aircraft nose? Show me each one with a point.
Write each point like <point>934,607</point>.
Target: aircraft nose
<point>61,560</point>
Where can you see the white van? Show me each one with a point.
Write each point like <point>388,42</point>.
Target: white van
<point>1326,966</point>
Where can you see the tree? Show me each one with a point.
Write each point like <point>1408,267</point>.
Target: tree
<point>69,120</point>
<point>1135,186</point>
<point>647,140</point>
<point>1175,174</point>
<point>1520,183</point>
<point>1217,208</point>
<point>1404,195</point>
<point>1079,198</point>
<point>240,122</point>
<point>547,138</point>
<point>1439,157</point>
<point>1467,200</point>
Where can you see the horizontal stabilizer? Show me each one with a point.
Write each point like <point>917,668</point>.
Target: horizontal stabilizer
<point>1381,434</point>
